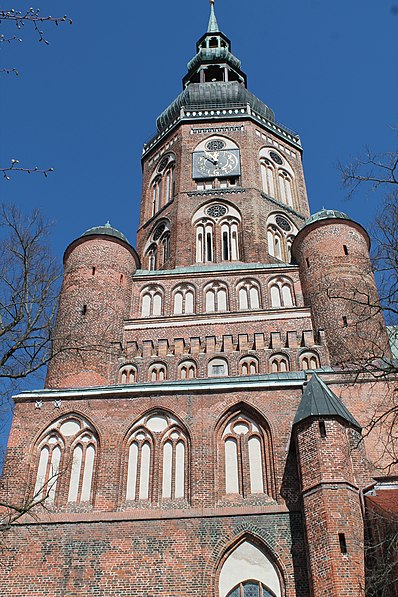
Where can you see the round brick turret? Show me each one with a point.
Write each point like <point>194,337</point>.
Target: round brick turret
<point>339,286</point>
<point>94,301</point>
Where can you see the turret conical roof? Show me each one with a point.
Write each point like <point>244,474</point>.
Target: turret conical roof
<point>319,401</point>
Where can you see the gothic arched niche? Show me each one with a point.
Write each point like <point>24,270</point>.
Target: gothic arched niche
<point>277,176</point>
<point>281,232</point>
<point>157,459</point>
<point>247,569</point>
<point>161,186</point>
<point>217,232</point>
<point>67,454</point>
<point>157,248</point>
<point>245,455</point>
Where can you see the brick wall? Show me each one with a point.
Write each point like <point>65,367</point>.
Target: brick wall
<point>95,299</point>
<point>338,284</point>
<point>253,206</point>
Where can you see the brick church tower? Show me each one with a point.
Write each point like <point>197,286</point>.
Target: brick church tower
<point>200,429</point>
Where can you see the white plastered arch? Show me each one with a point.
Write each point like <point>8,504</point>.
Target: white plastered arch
<point>201,213</point>
<point>246,562</point>
<point>229,144</point>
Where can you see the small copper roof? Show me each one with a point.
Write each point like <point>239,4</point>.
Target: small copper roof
<point>319,401</point>
<point>106,230</point>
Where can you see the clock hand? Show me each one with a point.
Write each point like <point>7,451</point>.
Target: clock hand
<point>210,157</point>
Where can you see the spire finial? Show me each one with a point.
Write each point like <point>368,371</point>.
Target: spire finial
<point>213,25</point>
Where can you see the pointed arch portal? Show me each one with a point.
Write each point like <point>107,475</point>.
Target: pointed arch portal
<point>248,572</point>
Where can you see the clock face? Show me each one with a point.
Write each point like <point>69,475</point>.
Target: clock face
<point>216,163</point>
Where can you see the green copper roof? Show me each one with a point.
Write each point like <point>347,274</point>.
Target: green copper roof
<point>106,230</point>
<point>213,25</point>
<point>319,401</point>
<point>214,81</point>
<point>326,214</point>
<point>209,55</point>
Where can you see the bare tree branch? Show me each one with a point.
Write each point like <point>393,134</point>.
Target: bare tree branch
<point>15,168</point>
<point>20,19</point>
<point>33,16</point>
<point>379,172</point>
<point>29,286</point>
<point>381,551</point>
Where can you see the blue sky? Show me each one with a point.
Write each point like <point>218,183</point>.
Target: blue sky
<point>86,103</point>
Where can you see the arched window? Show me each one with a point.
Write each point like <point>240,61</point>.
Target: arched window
<point>277,176</point>
<point>249,572</point>
<point>251,588</point>
<point>128,374</point>
<point>274,242</point>
<point>309,360</point>
<point>157,372</point>
<point>280,235</point>
<point>217,232</point>
<point>267,177</point>
<point>157,252</point>
<point>217,367</point>
<point>204,242</point>
<point>83,457</point>
<point>156,194</point>
<point>162,185</point>
<point>281,293</point>
<point>187,370</point>
<point>184,300</point>
<point>289,242</point>
<point>151,256</point>
<point>247,457</point>
<point>157,459</point>
<point>169,184</point>
<point>151,301</point>
<point>285,188</point>
<point>249,295</point>
<point>279,363</point>
<point>73,435</point>
<point>248,366</point>
<point>165,246</point>
<point>51,451</point>
<point>229,240</point>
<point>216,297</point>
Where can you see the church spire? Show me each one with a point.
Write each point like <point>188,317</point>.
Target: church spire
<point>213,25</point>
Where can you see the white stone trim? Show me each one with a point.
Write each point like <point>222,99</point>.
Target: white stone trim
<point>285,314</point>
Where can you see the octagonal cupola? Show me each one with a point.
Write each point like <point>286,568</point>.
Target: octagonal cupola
<point>214,80</point>
<point>214,61</point>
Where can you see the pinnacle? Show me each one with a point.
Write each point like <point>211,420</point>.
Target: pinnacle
<point>213,25</point>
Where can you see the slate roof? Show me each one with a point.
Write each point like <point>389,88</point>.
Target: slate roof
<point>208,96</point>
<point>319,401</point>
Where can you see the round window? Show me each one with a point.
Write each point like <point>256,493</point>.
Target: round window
<point>163,163</point>
<point>216,211</point>
<point>283,223</point>
<point>215,145</point>
<point>276,157</point>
